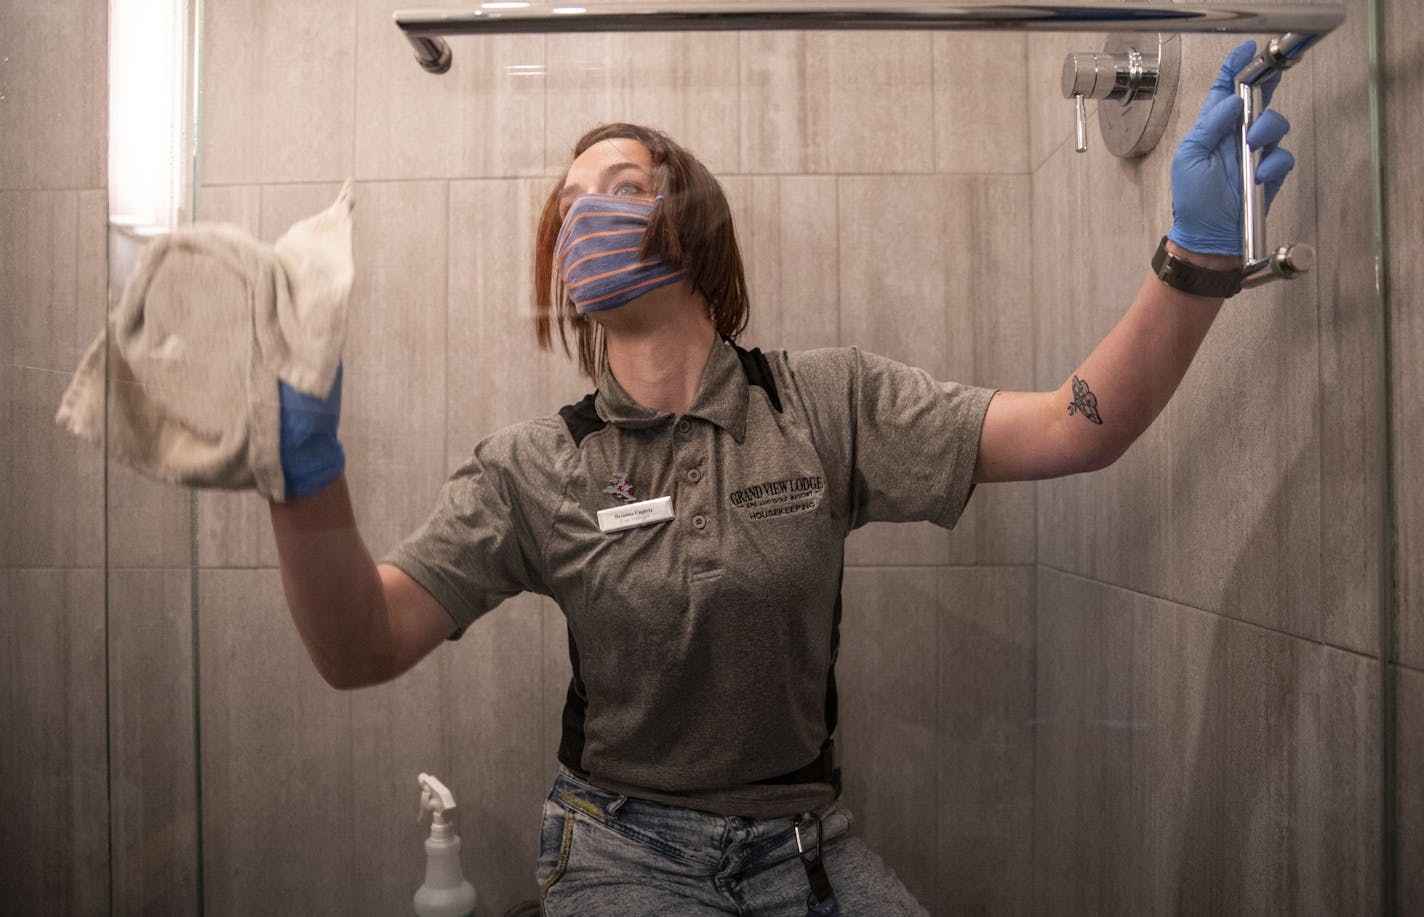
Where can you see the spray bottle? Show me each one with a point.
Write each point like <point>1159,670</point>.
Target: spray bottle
<point>445,892</point>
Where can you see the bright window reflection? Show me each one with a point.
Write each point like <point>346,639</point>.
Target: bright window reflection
<point>147,78</point>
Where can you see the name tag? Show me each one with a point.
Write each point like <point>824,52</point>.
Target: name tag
<point>644,512</point>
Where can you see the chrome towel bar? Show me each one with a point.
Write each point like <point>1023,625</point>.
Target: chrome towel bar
<point>426,29</point>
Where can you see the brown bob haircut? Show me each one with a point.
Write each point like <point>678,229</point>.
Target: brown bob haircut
<point>691,227</point>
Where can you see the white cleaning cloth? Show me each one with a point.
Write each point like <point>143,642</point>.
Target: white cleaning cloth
<point>207,324</point>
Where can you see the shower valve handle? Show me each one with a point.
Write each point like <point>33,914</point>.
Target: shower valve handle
<point>1100,75</point>
<point>1104,75</point>
<point>1080,123</point>
<point>1134,89</point>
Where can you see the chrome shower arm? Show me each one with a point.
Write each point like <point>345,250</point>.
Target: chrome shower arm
<point>426,29</point>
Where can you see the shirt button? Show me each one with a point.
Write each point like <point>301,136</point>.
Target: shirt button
<point>684,426</point>
<point>694,475</point>
<point>699,522</point>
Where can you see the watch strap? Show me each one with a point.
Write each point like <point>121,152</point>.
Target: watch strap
<point>1183,275</point>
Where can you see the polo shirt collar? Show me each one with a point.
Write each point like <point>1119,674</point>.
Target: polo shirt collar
<point>721,396</point>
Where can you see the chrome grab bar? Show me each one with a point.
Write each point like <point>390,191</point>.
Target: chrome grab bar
<point>1260,264</point>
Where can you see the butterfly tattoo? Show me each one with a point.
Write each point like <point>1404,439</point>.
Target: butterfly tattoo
<point>1084,402</point>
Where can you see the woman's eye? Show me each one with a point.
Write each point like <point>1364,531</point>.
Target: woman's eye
<point>629,187</point>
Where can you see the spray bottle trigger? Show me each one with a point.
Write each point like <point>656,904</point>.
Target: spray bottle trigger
<point>436,799</point>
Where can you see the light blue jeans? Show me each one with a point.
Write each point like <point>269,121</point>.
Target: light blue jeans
<point>605,854</point>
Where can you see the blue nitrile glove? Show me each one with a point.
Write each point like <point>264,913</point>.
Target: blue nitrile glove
<point>312,456</point>
<point>1206,169</point>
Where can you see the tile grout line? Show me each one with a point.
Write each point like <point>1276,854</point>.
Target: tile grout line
<point>1035,284</point>
<point>1206,611</point>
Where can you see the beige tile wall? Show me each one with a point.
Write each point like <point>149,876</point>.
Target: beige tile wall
<point>54,790</point>
<point>290,113</point>
<point>278,765</point>
<point>1350,364</point>
<point>52,272</point>
<point>1227,567</point>
<point>153,790</point>
<point>54,70</point>
<point>1191,763</point>
<point>483,118</point>
<point>985,729</point>
<point>1206,600</point>
<point>1402,76</point>
<point>1409,794</point>
<point>934,668</point>
<point>887,679</point>
<point>54,787</point>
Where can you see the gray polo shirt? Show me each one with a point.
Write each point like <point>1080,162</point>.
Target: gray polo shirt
<point>703,647</point>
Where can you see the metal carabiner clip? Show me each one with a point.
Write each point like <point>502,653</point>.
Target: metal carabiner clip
<point>821,902</point>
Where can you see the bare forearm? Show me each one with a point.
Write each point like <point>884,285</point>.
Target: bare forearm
<point>1110,399</point>
<point>332,586</point>
<point>1134,371</point>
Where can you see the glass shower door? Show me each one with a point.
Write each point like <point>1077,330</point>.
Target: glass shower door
<point>1176,685</point>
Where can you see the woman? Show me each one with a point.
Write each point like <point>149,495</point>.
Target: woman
<point>689,518</point>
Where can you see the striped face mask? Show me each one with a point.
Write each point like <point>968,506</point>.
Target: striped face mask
<point>597,252</point>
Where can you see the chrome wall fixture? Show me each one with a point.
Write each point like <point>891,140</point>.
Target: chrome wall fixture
<point>1138,73</point>
<point>1135,72</point>
<point>1292,258</point>
<point>426,28</point>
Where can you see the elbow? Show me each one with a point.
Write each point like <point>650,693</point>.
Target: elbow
<point>357,659</point>
<point>345,681</point>
<point>352,682</point>
<point>1101,454</point>
<point>1102,458</point>
<point>352,675</point>
<point>342,678</point>
<point>1073,445</point>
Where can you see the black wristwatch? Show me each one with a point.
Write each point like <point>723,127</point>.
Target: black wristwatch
<point>1193,278</point>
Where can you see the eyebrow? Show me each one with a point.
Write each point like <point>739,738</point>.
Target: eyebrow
<point>604,177</point>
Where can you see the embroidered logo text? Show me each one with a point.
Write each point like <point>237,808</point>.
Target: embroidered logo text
<point>779,498</point>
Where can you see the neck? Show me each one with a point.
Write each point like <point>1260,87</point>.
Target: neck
<point>657,353</point>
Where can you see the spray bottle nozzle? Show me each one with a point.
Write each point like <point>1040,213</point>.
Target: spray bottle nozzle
<point>436,799</point>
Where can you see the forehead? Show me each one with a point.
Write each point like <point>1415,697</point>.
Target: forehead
<point>604,155</point>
